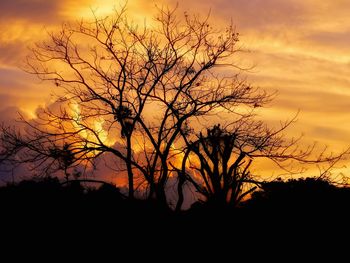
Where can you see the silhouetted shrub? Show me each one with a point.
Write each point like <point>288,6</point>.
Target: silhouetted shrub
<point>302,196</point>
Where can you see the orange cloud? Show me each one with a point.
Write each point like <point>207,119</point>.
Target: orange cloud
<point>299,48</point>
<point>32,11</point>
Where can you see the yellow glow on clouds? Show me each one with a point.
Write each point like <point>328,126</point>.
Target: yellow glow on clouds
<point>299,48</point>
<point>86,8</point>
<point>97,125</point>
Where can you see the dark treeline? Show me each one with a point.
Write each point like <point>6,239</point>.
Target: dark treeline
<point>284,216</point>
<point>48,198</point>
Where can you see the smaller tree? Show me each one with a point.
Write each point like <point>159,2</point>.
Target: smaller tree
<point>218,163</point>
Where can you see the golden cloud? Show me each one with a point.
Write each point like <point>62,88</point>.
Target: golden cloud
<point>299,48</point>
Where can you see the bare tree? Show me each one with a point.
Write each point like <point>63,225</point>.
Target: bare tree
<point>217,164</point>
<point>219,168</point>
<point>140,93</point>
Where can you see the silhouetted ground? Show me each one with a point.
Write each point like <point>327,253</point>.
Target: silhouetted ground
<point>48,197</point>
<point>44,212</point>
<point>304,197</point>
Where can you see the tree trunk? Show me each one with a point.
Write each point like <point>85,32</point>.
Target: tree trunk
<point>151,190</point>
<point>160,186</point>
<point>161,195</point>
<point>129,168</point>
<point>180,193</point>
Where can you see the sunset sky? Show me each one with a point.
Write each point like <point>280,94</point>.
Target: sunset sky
<point>299,48</point>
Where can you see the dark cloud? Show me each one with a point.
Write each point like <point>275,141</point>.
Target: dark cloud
<point>6,106</point>
<point>253,13</point>
<point>31,10</point>
<point>265,13</point>
<point>319,102</point>
<point>10,116</point>
<point>13,53</point>
<point>336,133</point>
<point>331,39</point>
<point>15,82</point>
<point>19,89</point>
<point>11,77</point>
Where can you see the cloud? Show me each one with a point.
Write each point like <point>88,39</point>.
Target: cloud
<point>250,14</point>
<point>8,114</point>
<point>336,40</point>
<point>300,48</point>
<point>19,89</point>
<point>324,132</point>
<point>29,10</point>
<point>323,103</point>
<point>12,54</point>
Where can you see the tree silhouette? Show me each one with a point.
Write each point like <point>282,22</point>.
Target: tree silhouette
<point>219,161</point>
<point>221,177</point>
<point>143,94</point>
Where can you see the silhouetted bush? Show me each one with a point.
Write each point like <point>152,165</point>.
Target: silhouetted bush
<point>301,196</point>
<point>38,202</point>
